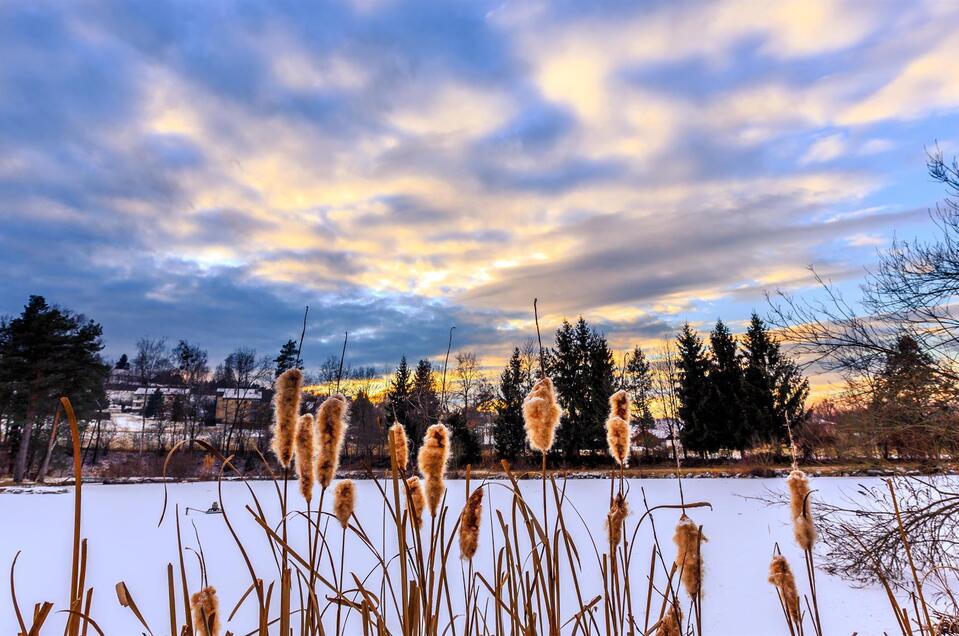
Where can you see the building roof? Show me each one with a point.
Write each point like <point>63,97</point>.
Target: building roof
<point>240,394</point>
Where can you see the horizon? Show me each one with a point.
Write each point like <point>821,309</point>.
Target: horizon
<point>204,172</point>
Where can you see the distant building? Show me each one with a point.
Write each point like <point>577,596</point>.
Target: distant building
<point>237,403</point>
<point>141,395</point>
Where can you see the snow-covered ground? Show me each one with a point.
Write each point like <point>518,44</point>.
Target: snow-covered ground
<point>125,544</point>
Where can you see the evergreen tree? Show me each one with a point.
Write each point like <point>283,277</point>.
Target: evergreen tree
<point>725,401</point>
<point>154,405</point>
<point>399,400</point>
<point>287,359</point>
<point>582,369</point>
<point>465,442</point>
<point>774,388</point>
<point>47,352</point>
<point>123,362</point>
<point>509,436</point>
<point>638,382</point>
<point>425,402</point>
<point>692,368</point>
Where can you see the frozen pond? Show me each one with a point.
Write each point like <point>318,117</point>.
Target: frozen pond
<point>125,544</point>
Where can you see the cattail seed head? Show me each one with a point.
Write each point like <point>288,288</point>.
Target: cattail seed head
<point>304,455</point>
<point>618,512</point>
<point>401,445</point>
<point>689,559</point>
<point>617,427</point>
<point>470,524</point>
<point>541,415</point>
<point>331,429</point>
<point>286,410</point>
<point>672,623</point>
<point>416,502</point>
<point>432,459</point>
<point>781,575</point>
<point>344,501</point>
<point>206,612</point>
<point>804,526</point>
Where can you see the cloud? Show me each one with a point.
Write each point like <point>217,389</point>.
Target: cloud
<point>206,170</point>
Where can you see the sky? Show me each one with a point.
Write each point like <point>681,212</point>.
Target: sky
<point>204,170</point>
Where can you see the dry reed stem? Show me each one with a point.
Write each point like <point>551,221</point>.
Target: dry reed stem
<point>804,526</point>
<point>618,512</point>
<point>331,429</point>
<point>470,524</point>
<point>401,444</point>
<point>286,409</point>
<point>206,612</point>
<point>781,575</point>
<point>541,415</point>
<point>688,539</point>
<point>617,427</point>
<point>417,501</point>
<point>304,451</point>
<point>432,459</point>
<point>344,501</point>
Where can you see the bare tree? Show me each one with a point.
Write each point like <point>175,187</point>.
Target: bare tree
<point>467,376</point>
<point>152,358</point>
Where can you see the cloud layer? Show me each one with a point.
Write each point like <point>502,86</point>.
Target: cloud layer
<point>203,170</point>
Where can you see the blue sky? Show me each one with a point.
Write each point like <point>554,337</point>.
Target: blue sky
<point>204,170</point>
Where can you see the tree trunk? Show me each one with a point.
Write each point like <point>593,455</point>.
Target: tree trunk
<point>42,475</point>
<point>20,467</point>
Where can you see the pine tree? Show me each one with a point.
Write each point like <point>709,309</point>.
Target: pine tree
<point>509,436</point>
<point>47,352</point>
<point>123,363</point>
<point>774,388</point>
<point>692,367</point>
<point>582,368</point>
<point>399,405</point>
<point>638,381</point>
<point>154,405</point>
<point>425,402</point>
<point>725,401</point>
<point>465,442</point>
<point>287,359</point>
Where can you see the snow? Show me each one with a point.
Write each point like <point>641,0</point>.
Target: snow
<point>126,544</point>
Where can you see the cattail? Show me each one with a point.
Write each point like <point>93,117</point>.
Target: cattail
<point>286,409</point>
<point>331,428</point>
<point>432,459</point>
<point>206,612</point>
<point>617,427</point>
<point>689,558</point>
<point>344,500</point>
<point>470,524</point>
<point>804,527</point>
<point>618,512</point>
<point>781,575</point>
<point>417,501</point>
<point>402,446</point>
<point>304,455</point>
<point>672,622</point>
<point>541,415</point>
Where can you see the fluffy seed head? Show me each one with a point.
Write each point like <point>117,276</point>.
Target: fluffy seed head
<point>401,444</point>
<point>206,612</point>
<point>344,500</point>
<point>417,501</point>
<point>617,427</point>
<point>689,559</point>
<point>618,512</point>
<point>286,409</point>
<point>432,459</point>
<point>541,415</point>
<point>781,575</point>
<point>304,455</point>
<point>672,623</point>
<point>470,524</point>
<point>804,526</point>
<point>331,429</point>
